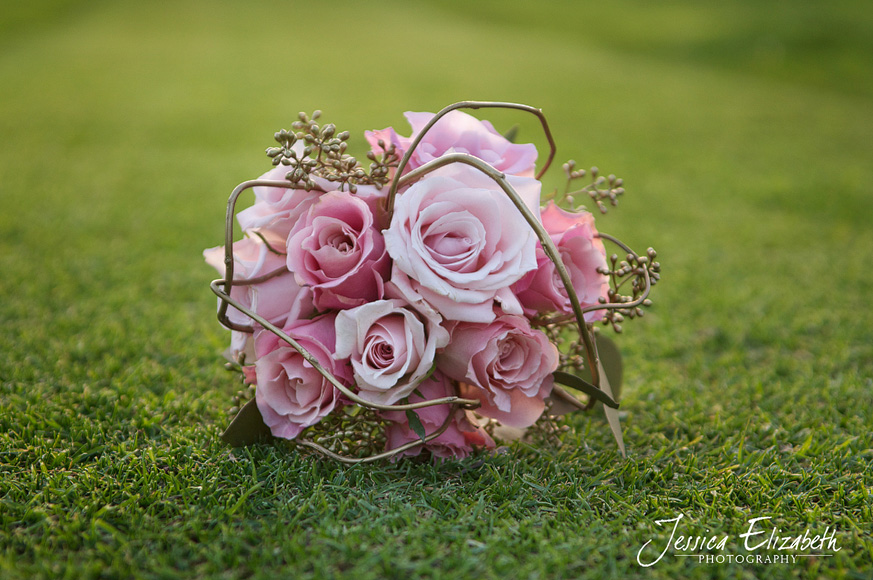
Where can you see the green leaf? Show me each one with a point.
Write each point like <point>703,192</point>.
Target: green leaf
<point>415,423</point>
<point>610,359</point>
<point>511,134</point>
<point>247,427</point>
<point>584,386</point>
<point>609,367</point>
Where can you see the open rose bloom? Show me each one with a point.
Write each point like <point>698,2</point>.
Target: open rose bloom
<point>422,305</point>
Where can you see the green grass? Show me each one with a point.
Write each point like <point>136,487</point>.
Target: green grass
<point>742,131</point>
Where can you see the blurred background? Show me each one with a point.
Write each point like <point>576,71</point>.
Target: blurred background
<point>741,129</point>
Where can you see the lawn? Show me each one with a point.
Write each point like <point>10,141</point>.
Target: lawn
<point>743,134</point>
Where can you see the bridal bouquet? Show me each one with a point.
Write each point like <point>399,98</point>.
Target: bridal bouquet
<point>429,302</point>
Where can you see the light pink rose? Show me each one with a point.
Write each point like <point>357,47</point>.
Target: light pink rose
<point>391,347</point>
<point>291,394</point>
<point>278,299</point>
<point>506,364</point>
<point>336,250</point>
<point>459,243</point>
<point>277,209</point>
<point>582,253</point>
<point>458,132</point>
<point>375,200</point>
<point>457,441</point>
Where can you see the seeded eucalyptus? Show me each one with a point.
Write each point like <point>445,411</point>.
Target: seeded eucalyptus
<point>601,189</point>
<point>311,150</point>
<point>632,270</point>
<point>630,279</point>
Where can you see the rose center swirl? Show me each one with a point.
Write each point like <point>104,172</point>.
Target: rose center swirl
<point>379,354</point>
<point>454,241</point>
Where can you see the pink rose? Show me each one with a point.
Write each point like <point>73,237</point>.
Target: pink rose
<point>375,200</point>
<point>291,394</point>
<point>336,250</point>
<point>278,299</point>
<point>391,347</point>
<point>507,365</point>
<point>459,132</point>
<point>277,209</point>
<point>581,252</point>
<point>458,440</point>
<point>458,243</point>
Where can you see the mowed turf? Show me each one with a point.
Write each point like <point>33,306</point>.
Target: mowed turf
<point>743,134</point>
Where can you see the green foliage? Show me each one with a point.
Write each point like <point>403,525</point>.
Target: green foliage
<point>415,424</point>
<point>746,386</point>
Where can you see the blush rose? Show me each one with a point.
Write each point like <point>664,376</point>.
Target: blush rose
<point>506,365</point>
<point>291,394</point>
<point>583,255</point>
<point>459,243</point>
<point>336,250</point>
<point>277,209</point>
<point>278,299</point>
<point>391,347</point>
<point>458,132</point>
